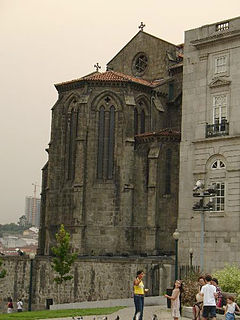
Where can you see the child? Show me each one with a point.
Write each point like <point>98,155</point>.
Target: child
<point>175,299</point>
<point>197,307</point>
<point>231,308</point>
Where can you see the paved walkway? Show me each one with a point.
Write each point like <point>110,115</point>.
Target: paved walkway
<point>127,314</point>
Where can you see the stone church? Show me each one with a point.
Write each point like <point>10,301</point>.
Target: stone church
<point>113,170</point>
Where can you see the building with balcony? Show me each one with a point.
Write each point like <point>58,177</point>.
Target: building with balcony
<point>210,144</point>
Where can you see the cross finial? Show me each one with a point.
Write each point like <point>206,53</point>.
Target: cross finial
<point>97,66</point>
<point>142,26</point>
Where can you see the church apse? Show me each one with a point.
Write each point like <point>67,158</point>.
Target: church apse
<point>103,181</point>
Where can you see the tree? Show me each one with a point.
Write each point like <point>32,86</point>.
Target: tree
<point>63,257</point>
<point>3,271</point>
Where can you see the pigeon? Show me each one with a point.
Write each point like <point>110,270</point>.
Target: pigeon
<point>154,317</point>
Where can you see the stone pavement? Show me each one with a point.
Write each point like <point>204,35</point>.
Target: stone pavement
<point>127,314</point>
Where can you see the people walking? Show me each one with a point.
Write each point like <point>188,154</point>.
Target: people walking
<point>231,307</point>
<point>175,299</point>
<point>19,305</point>
<point>10,305</point>
<point>209,294</point>
<point>139,291</point>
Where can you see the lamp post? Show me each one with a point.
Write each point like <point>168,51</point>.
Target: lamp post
<point>191,256</point>
<point>199,191</point>
<point>31,257</point>
<point>176,237</point>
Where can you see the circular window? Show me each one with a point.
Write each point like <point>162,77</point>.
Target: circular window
<point>140,63</point>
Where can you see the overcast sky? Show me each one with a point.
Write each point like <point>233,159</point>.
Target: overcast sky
<point>43,42</point>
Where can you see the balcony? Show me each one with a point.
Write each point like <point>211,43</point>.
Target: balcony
<point>217,129</point>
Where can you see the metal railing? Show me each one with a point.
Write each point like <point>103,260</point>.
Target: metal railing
<point>215,130</point>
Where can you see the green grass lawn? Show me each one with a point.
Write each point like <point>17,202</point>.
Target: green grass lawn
<point>45,314</point>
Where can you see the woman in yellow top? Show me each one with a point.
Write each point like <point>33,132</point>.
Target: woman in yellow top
<point>138,290</point>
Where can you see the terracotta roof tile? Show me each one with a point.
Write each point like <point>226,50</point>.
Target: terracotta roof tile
<point>111,76</point>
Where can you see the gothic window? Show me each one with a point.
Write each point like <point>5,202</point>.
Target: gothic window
<point>142,127</point>
<point>135,121</point>
<point>106,140</point>
<point>168,171</point>
<point>71,145</point>
<point>170,91</point>
<point>111,143</point>
<point>218,164</point>
<point>101,125</point>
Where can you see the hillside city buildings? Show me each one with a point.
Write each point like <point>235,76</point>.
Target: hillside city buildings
<point>32,210</point>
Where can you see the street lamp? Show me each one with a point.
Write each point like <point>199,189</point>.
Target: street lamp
<point>200,192</point>
<point>176,237</point>
<point>31,257</point>
<point>191,256</point>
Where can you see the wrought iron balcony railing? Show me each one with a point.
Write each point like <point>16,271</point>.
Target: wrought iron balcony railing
<point>219,129</point>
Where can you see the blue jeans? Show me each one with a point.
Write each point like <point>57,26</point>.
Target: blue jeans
<point>230,316</point>
<point>139,304</point>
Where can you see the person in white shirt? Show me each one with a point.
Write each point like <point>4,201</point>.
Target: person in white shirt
<point>231,308</point>
<point>209,294</point>
<point>19,305</point>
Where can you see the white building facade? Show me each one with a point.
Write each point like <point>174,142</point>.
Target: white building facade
<point>210,143</point>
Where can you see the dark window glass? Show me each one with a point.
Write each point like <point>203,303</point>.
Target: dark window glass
<point>100,143</point>
<point>135,121</point>
<point>168,171</point>
<point>111,142</point>
<point>142,129</point>
<point>171,91</point>
<point>71,145</point>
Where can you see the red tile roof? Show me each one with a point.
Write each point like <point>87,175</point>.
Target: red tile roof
<point>110,76</point>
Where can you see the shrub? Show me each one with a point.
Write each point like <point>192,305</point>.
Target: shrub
<point>229,279</point>
<point>190,288</point>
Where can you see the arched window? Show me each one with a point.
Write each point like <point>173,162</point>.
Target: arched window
<point>142,128</point>
<point>101,127</point>
<point>168,171</point>
<point>111,143</point>
<point>71,144</point>
<point>135,121</point>
<point>106,140</point>
<point>218,164</point>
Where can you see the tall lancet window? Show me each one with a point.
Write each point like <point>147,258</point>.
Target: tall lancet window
<point>101,127</point>
<point>135,121</point>
<point>71,144</point>
<point>168,171</point>
<point>111,142</point>
<point>142,122</point>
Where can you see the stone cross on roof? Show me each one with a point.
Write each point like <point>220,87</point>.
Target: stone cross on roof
<point>97,66</point>
<point>142,26</point>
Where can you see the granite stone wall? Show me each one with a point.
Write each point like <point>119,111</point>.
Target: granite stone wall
<point>94,278</point>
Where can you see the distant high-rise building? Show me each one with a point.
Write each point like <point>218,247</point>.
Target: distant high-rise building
<point>32,210</point>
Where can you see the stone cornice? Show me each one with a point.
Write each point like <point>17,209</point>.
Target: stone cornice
<point>215,37</point>
<point>165,135</point>
<point>93,83</point>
